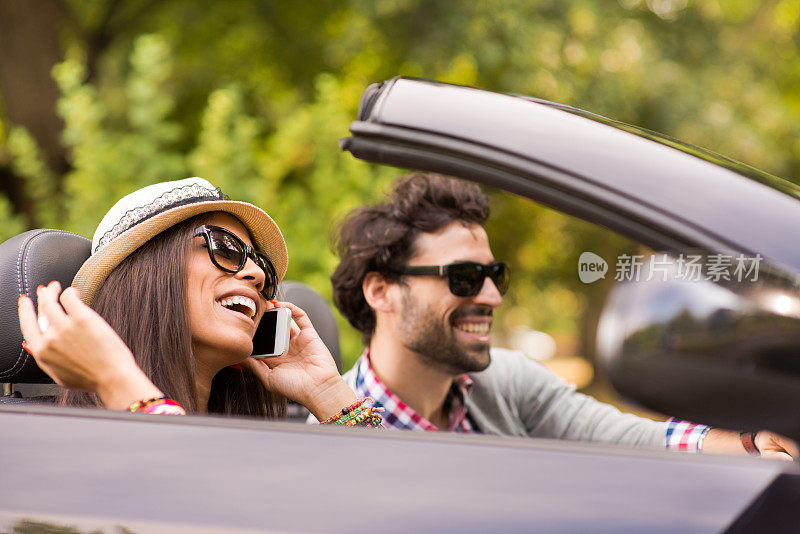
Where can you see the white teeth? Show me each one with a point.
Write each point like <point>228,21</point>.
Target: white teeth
<point>474,328</point>
<point>248,303</point>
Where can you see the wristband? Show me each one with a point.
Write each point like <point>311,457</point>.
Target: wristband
<point>749,443</point>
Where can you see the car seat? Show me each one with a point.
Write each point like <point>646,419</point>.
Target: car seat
<point>26,261</point>
<point>43,255</point>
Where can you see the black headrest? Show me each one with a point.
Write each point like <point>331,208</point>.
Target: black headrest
<point>319,312</point>
<point>26,261</point>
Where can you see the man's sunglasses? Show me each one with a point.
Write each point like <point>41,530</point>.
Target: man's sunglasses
<point>465,278</point>
<point>229,254</point>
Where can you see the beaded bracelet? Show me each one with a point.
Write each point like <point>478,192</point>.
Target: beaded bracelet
<point>357,414</point>
<point>346,410</point>
<point>157,406</point>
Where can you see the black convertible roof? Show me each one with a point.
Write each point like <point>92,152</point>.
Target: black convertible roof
<point>664,193</point>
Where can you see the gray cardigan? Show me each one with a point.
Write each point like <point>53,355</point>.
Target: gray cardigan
<point>516,396</point>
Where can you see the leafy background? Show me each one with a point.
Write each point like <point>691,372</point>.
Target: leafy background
<point>100,97</point>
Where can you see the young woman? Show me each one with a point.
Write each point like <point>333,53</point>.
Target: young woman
<point>178,280</point>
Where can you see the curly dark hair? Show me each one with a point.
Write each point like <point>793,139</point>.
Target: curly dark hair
<point>380,238</point>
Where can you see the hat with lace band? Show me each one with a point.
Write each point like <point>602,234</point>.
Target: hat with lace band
<point>138,217</point>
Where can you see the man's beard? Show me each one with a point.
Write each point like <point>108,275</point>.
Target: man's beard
<point>435,343</point>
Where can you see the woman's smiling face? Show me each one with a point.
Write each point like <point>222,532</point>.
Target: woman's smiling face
<point>224,308</point>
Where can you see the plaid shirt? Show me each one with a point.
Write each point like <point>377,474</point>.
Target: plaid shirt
<point>685,436</point>
<point>400,415</point>
<point>679,435</point>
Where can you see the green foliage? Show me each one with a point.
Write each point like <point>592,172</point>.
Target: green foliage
<point>226,147</point>
<point>27,162</point>
<point>10,223</point>
<point>114,153</point>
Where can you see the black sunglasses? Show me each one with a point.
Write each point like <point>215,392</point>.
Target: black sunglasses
<point>229,253</point>
<point>465,278</point>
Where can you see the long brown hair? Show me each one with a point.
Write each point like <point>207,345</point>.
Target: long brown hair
<point>144,301</point>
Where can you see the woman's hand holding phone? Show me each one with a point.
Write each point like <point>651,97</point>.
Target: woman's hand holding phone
<point>306,372</point>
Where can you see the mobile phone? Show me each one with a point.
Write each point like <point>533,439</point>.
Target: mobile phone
<point>272,335</point>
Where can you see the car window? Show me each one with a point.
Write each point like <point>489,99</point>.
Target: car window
<point>550,312</point>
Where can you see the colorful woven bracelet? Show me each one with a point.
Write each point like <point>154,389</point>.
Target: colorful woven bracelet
<point>373,420</point>
<point>357,414</point>
<point>346,410</point>
<point>352,415</point>
<point>365,417</point>
<point>157,406</point>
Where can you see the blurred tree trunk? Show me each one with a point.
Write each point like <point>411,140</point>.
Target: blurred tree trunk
<point>29,48</point>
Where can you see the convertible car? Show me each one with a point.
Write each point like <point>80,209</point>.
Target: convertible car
<point>731,344</point>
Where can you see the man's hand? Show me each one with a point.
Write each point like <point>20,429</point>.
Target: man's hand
<point>774,445</point>
<point>771,445</point>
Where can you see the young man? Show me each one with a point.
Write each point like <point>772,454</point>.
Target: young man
<point>417,277</point>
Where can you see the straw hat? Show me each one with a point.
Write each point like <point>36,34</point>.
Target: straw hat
<point>141,215</point>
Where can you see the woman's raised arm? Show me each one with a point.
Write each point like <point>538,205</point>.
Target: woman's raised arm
<point>79,350</point>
